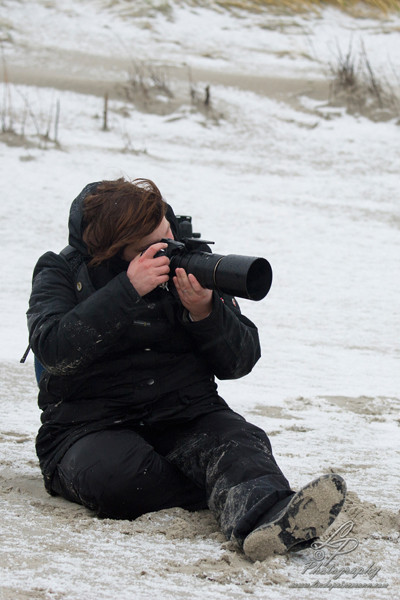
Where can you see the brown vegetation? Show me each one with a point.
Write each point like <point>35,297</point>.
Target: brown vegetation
<point>384,6</point>
<point>355,85</point>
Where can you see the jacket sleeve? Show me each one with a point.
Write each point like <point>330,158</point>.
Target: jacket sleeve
<point>66,335</point>
<point>226,339</point>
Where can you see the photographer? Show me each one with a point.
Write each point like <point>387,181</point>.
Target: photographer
<point>132,421</point>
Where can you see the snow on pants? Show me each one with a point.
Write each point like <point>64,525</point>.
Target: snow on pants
<point>217,460</point>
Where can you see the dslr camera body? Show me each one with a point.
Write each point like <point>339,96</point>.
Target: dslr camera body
<point>247,277</point>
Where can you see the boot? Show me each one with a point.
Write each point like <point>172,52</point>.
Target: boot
<point>304,517</point>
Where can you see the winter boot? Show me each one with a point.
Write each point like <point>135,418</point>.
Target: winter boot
<point>306,515</point>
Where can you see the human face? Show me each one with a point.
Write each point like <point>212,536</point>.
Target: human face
<point>160,232</point>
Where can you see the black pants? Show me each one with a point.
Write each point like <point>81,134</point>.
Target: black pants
<point>217,460</point>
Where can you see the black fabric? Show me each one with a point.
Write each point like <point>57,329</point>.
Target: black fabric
<point>217,460</point>
<point>110,355</point>
<point>131,416</point>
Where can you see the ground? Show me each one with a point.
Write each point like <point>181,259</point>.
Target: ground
<point>271,168</point>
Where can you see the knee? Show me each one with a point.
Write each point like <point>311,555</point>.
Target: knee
<point>113,479</point>
<point>247,436</point>
<point>119,491</point>
<point>228,426</point>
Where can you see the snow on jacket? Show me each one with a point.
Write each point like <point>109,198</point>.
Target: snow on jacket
<point>112,356</point>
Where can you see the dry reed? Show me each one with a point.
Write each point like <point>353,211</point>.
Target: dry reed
<point>378,6</point>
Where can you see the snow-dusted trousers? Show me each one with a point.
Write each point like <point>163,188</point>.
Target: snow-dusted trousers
<point>217,461</point>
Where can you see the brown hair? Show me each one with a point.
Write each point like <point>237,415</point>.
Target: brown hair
<point>119,213</point>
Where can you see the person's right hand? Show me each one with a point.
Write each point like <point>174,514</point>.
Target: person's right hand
<point>146,272</point>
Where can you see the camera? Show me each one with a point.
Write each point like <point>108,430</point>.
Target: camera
<point>247,277</point>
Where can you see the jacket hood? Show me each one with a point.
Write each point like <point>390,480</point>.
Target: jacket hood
<point>76,224</point>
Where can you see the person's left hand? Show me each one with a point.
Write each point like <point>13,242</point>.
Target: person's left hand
<point>196,299</point>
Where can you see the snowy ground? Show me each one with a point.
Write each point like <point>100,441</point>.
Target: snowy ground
<point>270,170</point>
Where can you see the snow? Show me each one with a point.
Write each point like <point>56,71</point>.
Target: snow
<point>310,187</point>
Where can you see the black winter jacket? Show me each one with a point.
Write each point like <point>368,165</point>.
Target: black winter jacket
<point>112,356</point>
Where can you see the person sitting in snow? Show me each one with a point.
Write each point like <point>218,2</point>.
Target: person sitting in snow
<point>132,421</point>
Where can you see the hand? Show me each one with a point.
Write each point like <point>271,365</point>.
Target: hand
<point>146,272</point>
<point>196,299</point>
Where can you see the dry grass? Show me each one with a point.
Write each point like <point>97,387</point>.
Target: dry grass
<point>355,85</point>
<point>22,123</point>
<point>377,6</point>
<point>149,88</point>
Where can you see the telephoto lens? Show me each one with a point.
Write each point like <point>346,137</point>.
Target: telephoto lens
<point>243,276</point>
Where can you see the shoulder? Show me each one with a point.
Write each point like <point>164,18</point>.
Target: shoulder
<point>51,259</point>
<point>52,263</point>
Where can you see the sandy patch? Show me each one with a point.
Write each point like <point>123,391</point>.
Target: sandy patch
<point>52,547</point>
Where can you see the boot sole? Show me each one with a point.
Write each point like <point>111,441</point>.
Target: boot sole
<point>308,514</point>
